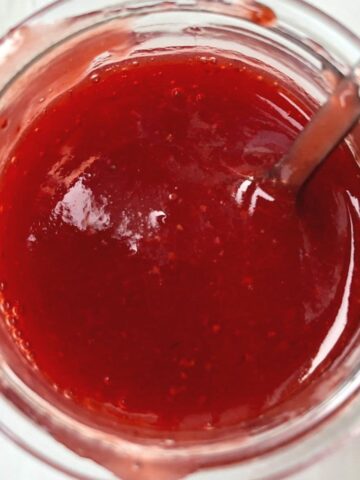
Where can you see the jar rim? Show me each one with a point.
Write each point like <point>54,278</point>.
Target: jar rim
<point>342,419</point>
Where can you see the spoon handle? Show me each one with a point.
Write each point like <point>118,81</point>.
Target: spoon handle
<point>327,128</point>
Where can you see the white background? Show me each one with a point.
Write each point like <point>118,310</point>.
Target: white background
<point>344,464</point>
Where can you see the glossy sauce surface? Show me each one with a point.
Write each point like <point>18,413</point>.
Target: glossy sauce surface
<point>145,275</point>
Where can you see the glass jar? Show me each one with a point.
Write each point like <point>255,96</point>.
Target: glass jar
<point>305,47</point>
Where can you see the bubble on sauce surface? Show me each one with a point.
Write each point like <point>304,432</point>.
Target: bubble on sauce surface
<point>95,77</point>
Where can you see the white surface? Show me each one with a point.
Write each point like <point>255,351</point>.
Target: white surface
<point>345,463</point>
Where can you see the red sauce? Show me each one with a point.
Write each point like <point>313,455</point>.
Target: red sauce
<point>143,275</point>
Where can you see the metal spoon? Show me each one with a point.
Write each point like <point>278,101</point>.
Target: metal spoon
<point>327,128</point>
